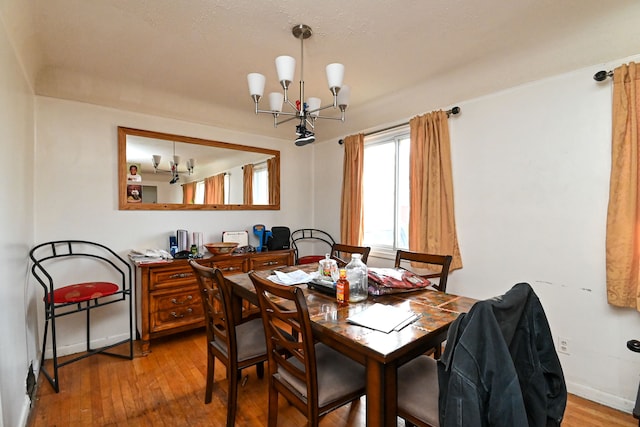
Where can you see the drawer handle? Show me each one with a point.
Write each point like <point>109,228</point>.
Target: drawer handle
<point>180,275</point>
<point>271,263</point>
<point>180,316</point>
<point>187,299</point>
<point>230,268</point>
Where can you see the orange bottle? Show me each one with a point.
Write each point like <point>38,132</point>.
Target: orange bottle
<point>342,288</point>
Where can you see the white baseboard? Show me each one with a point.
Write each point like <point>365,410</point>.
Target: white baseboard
<point>81,347</point>
<point>601,397</point>
<point>24,412</point>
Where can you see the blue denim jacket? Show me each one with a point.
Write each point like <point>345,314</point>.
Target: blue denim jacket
<point>500,367</point>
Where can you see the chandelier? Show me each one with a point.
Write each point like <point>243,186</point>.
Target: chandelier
<point>307,112</point>
<point>173,165</point>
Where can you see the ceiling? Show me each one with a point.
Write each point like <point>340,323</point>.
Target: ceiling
<point>188,59</point>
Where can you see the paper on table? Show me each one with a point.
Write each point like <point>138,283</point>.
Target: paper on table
<point>295,277</point>
<point>383,318</point>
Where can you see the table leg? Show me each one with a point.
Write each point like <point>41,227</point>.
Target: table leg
<point>381,394</point>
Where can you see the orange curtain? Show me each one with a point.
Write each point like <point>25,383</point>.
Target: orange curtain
<point>273,168</point>
<point>214,190</point>
<point>623,229</point>
<point>248,184</point>
<point>189,193</point>
<point>432,226</point>
<point>351,209</point>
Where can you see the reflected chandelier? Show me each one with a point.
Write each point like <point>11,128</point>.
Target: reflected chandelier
<point>306,112</point>
<point>173,164</point>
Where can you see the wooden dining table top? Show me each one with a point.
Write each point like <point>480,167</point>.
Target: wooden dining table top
<point>380,352</point>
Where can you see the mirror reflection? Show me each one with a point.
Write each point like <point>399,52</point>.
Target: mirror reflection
<point>160,171</point>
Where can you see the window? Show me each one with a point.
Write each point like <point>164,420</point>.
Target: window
<point>386,191</point>
<point>260,184</point>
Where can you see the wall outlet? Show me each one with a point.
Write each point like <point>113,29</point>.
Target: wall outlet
<point>564,345</point>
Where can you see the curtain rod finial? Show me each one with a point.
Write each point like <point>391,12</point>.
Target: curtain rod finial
<point>341,141</point>
<point>602,75</point>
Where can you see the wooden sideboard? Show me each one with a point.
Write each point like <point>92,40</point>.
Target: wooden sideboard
<point>167,296</point>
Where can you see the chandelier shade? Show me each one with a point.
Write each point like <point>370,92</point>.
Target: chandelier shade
<point>286,68</point>
<point>305,110</point>
<point>173,165</point>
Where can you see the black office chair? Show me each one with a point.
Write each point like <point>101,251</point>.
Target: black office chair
<point>634,345</point>
<point>300,238</point>
<point>104,278</point>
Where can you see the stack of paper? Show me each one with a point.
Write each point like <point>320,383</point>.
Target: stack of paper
<point>295,277</point>
<point>385,318</point>
<point>149,256</point>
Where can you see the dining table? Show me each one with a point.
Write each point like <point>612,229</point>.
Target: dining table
<point>381,353</point>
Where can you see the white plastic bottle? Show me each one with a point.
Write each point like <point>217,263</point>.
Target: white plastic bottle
<point>358,279</point>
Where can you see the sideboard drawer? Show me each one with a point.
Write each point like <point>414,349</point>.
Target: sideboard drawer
<point>265,261</point>
<point>231,265</point>
<point>171,277</point>
<point>175,309</point>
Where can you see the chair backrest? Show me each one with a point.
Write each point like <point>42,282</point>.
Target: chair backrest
<point>216,302</point>
<point>288,311</point>
<point>426,261</point>
<point>342,253</point>
<point>45,255</point>
<point>310,235</point>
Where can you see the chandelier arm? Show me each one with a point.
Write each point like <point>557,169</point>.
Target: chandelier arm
<point>341,118</point>
<point>323,108</point>
<point>287,120</point>
<point>284,113</point>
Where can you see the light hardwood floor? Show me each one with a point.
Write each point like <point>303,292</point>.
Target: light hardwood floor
<point>166,388</point>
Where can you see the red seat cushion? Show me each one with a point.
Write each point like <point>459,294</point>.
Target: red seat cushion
<point>310,259</point>
<point>83,292</point>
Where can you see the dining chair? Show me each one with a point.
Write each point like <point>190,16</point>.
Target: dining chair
<point>418,261</point>
<point>238,345</point>
<point>634,345</point>
<point>79,277</point>
<point>499,367</point>
<point>423,265</point>
<point>342,253</point>
<point>418,392</point>
<point>313,377</point>
<point>305,237</point>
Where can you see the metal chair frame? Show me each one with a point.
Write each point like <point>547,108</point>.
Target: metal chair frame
<point>312,234</point>
<point>44,252</point>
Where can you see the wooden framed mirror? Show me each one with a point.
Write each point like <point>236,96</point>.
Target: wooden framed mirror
<point>210,175</point>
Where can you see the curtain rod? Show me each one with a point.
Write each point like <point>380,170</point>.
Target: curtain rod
<point>454,111</point>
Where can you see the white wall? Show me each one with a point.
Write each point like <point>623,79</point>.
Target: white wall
<point>531,180</point>
<point>76,192</point>
<point>17,328</point>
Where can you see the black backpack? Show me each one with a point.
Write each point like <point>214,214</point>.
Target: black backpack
<point>279,239</point>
